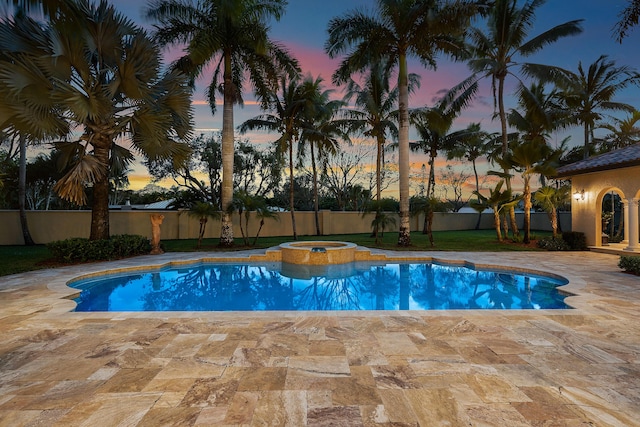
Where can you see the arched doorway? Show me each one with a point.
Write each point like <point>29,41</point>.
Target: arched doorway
<point>610,204</point>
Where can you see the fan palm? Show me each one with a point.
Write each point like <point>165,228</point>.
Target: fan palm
<point>233,37</point>
<point>92,68</point>
<point>400,28</point>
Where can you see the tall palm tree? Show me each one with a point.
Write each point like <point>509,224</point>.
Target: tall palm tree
<point>433,125</point>
<point>495,49</point>
<point>473,145</point>
<point>538,114</point>
<point>399,29</point>
<point>374,111</point>
<point>319,130</point>
<point>286,118</point>
<point>233,37</point>
<point>92,68</point>
<point>588,93</point>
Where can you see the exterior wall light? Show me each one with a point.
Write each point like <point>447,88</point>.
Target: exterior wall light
<point>579,195</point>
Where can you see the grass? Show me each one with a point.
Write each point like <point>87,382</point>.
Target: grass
<point>18,259</point>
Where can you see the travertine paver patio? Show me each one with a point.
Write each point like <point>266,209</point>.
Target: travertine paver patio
<point>459,368</point>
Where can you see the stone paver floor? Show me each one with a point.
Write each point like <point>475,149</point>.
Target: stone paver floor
<point>576,367</point>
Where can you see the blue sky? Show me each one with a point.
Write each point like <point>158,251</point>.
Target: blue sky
<point>303,31</point>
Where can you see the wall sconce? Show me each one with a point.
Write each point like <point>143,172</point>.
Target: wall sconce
<point>579,195</point>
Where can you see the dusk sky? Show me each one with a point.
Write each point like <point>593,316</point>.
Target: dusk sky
<point>303,30</point>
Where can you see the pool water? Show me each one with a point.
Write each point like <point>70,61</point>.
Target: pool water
<point>282,286</point>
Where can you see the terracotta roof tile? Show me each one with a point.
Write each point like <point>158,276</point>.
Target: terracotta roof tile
<point>623,157</point>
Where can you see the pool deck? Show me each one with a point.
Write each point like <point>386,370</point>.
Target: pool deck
<point>576,367</point>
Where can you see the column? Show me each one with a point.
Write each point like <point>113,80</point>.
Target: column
<point>625,218</point>
<point>633,226</point>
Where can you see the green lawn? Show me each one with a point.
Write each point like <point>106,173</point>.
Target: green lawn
<point>17,259</point>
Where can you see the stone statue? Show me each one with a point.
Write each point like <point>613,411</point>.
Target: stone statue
<point>156,220</point>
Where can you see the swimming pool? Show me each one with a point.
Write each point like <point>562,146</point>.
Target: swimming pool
<point>282,286</point>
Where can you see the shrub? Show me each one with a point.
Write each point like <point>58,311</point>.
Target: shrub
<point>83,250</point>
<point>551,244</point>
<point>576,240</point>
<point>630,264</point>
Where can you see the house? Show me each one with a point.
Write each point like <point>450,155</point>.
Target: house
<point>591,179</point>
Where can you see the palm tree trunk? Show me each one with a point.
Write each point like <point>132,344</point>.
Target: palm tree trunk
<point>379,152</point>
<point>527,209</point>
<point>503,116</point>
<point>291,188</point>
<point>496,223</point>
<point>100,206</point>
<point>315,189</point>
<point>22,191</point>
<point>226,224</point>
<point>475,172</point>
<point>585,151</point>
<point>404,234</point>
<point>554,221</point>
<point>505,148</point>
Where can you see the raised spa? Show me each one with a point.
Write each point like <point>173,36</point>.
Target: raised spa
<point>318,253</point>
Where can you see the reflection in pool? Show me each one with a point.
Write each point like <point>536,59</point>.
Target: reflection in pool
<point>281,286</point>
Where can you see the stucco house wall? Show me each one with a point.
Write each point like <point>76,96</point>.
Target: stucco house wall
<point>586,214</point>
<point>591,179</point>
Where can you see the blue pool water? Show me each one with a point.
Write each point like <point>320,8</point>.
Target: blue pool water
<point>282,286</point>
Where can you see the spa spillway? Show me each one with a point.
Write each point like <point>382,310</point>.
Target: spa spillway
<point>318,253</point>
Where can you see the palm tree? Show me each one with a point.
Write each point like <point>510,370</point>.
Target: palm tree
<point>498,200</point>
<point>495,49</point>
<point>233,37</point>
<point>433,125</point>
<point>628,19</point>
<point>318,129</point>
<point>472,145</point>
<point>374,112</point>
<point>286,119</point>
<point>529,158</point>
<point>623,133</point>
<point>426,206</point>
<point>400,28</point>
<point>203,211</point>
<point>588,93</point>
<point>550,199</point>
<point>92,68</point>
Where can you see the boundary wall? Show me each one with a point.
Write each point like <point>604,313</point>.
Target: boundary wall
<point>48,226</point>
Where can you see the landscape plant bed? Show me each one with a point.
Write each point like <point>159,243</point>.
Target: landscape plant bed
<point>18,259</point>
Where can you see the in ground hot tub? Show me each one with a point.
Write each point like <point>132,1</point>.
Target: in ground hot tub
<point>318,253</point>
